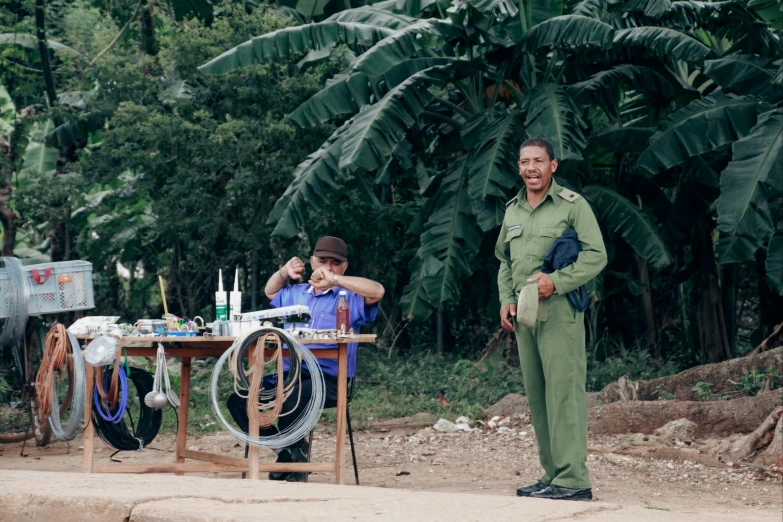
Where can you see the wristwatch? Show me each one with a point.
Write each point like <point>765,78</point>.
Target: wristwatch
<point>334,279</point>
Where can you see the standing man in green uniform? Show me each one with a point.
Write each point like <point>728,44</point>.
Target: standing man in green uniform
<point>552,351</point>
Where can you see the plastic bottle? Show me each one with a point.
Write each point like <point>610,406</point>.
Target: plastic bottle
<point>235,299</point>
<point>221,311</point>
<point>343,315</point>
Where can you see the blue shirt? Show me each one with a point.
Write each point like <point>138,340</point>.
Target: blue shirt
<point>323,310</point>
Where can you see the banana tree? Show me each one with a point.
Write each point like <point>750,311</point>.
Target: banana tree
<point>452,88</point>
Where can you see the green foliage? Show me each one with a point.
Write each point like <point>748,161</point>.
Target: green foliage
<point>751,383</point>
<point>757,161</point>
<point>703,390</point>
<point>406,385</point>
<point>636,365</point>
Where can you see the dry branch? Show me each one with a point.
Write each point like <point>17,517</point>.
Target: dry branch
<point>750,443</point>
<point>767,343</point>
<point>774,451</point>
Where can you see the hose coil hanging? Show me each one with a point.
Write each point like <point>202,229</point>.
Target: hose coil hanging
<point>18,295</point>
<point>55,359</point>
<point>117,434</point>
<point>298,354</point>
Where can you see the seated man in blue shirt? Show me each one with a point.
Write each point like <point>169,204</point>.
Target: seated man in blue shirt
<point>329,263</point>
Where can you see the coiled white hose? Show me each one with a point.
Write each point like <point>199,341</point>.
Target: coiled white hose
<point>18,293</point>
<point>77,403</point>
<point>305,422</point>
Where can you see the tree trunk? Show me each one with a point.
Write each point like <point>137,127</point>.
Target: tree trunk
<point>651,329</point>
<point>770,303</point>
<point>711,328</point>
<point>713,419</point>
<point>147,42</point>
<point>720,375</point>
<point>254,281</point>
<point>43,50</point>
<point>729,303</point>
<point>8,219</point>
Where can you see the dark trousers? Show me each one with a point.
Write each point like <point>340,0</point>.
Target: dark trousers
<point>237,406</point>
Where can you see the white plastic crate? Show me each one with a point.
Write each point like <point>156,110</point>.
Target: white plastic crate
<point>54,287</point>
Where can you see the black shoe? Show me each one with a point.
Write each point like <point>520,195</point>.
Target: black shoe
<point>526,491</point>
<point>283,456</point>
<point>560,493</point>
<point>299,453</point>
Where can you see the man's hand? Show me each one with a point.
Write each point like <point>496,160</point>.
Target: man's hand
<point>322,279</point>
<point>508,311</point>
<point>545,285</point>
<point>293,269</point>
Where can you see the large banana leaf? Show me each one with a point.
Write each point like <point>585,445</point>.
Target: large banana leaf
<point>650,8</point>
<point>31,42</point>
<point>311,8</point>
<point>373,15</point>
<point>499,8</point>
<point>403,44</point>
<point>743,214</point>
<point>590,8</point>
<point>40,158</point>
<point>77,99</point>
<point>771,11</point>
<point>7,112</point>
<point>621,216</point>
<point>775,264</point>
<point>743,74</point>
<point>450,241</point>
<point>76,129</point>
<point>552,115</point>
<point>312,180</point>
<point>377,130</point>
<point>701,126</point>
<point>492,166</point>
<point>295,40</point>
<point>572,32</point>
<point>538,11</point>
<point>603,88</point>
<point>347,94</point>
<point>624,139</point>
<point>662,42</point>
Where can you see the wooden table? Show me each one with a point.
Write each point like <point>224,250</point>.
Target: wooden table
<point>185,348</point>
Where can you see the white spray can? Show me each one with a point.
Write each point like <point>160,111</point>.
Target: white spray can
<point>235,299</point>
<point>220,300</point>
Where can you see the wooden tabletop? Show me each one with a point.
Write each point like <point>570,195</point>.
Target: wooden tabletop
<point>200,340</point>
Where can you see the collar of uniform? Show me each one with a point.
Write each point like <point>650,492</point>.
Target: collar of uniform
<point>311,290</point>
<point>551,192</point>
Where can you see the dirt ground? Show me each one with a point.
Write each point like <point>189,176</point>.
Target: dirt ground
<point>408,456</point>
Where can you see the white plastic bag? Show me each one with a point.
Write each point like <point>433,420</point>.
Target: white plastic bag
<point>101,351</point>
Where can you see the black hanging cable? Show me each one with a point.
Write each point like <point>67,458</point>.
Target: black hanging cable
<point>143,431</point>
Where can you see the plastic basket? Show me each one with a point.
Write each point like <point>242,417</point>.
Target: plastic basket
<point>54,287</point>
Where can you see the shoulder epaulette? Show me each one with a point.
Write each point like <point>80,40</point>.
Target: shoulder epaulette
<point>511,201</point>
<point>568,195</point>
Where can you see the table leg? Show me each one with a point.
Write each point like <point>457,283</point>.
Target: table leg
<point>342,397</point>
<point>184,400</point>
<point>254,451</point>
<point>89,430</point>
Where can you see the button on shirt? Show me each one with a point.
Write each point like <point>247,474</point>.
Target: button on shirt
<point>323,310</point>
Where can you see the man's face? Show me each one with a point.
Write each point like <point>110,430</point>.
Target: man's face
<point>335,266</point>
<point>536,168</point>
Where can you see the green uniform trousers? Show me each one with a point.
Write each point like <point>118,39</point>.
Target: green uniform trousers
<point>554,369</point>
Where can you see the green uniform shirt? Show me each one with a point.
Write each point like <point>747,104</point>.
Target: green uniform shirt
<point>527,234</point>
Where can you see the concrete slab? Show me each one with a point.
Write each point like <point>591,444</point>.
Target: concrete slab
<point>72,497</point>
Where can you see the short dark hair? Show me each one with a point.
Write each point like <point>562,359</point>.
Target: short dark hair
<point>539,142</point>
